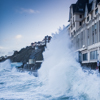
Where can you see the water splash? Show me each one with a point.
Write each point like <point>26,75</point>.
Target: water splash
<point>63,75</point>
<point>60,77</point>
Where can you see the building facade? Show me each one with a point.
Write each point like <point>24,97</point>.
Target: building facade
<point>84,18</point>
<point>46,40</point>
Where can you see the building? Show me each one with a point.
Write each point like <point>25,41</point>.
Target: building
<point>47,39</point>
<point>37,44</point>
<point>41,43</point>
<point>32,45</point>
<point>84,18</point>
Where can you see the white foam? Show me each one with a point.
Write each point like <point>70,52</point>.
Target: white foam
<point>63,75</point>
<point>59,76</point>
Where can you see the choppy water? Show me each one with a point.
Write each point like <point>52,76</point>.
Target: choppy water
<point>60,77</point>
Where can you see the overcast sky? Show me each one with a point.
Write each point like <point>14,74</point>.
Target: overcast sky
<point>26,21</point>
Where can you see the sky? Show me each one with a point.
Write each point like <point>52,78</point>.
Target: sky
<point>25,21</point>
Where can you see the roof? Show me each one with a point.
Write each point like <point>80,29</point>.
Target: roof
<point>79,7</point>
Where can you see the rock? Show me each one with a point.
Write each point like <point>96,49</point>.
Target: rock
<point>25,54</point>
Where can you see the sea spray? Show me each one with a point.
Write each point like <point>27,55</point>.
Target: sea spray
<point>15,85</point>
<point>57,67</point>
<point>61,77</point>
<point>5,65</point>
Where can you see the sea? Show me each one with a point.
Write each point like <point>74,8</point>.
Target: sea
<point>60,77</point>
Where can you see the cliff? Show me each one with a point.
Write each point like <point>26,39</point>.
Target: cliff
<point>25,54</point>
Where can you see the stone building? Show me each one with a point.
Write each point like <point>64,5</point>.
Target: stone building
<point>84,18</point>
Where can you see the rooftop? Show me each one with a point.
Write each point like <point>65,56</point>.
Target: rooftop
<point>79,6</point>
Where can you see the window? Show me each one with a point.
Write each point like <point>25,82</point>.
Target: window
<point>74,24</point>
<point>92,15</point>
<point>77,41</point>
<point>71,27</point>
<point>81,9</point>
<point>80,16</point>
<point>99,31</point>
<point>73,19</point>
<point>87,18</point>
<point>82,39</point>
<point>71,35</point>
<point>93,55</point>
<point>74,32</point>
<point>96,11</point>
<point>93,34</point>
<point>88,37</point>
<point>85,57</point>
<point>80,23</point>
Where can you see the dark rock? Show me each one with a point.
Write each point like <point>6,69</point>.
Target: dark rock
<point>24,55</point>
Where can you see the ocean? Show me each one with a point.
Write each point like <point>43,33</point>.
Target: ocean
<point>60,77</point>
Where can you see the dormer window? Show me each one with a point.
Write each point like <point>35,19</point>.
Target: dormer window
<point>96,11</point>
<point>80,9</point>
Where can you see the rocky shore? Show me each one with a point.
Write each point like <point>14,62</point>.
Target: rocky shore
<point>24,55</point>
<point>29,58</point>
